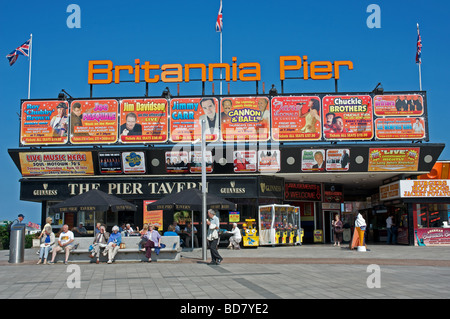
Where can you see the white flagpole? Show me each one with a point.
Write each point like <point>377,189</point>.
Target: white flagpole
<point>221,53</point>
<point>29,69</point>
<point>420,62</point>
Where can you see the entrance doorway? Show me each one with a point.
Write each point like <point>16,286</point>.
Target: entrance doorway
<point>328,217</point>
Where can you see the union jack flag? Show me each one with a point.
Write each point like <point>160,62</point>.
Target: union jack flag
<point>24,49</point>
<point>419,47</point>
<point>219,22</point>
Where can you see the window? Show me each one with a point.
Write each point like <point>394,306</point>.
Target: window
<point>432,215</point>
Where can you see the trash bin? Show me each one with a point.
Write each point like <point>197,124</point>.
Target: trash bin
<point>17,244</point>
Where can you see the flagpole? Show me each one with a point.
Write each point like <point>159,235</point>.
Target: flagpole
<point>29,68</point>
<point>420,62</point>
<point>221,31</point>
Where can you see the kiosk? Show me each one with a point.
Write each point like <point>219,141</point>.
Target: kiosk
<point>279,225</point>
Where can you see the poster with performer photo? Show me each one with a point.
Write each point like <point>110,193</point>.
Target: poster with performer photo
<point>110,162</point>
<point>313,161</point>
<point>400,128</point>
<point>44,122</point>
<point>338,160</point>
<point>347,117</point>
<point>244,161</point>
<point>177,162</point>
<point>196,162</point>
<point>269,161</point>
<point>296,118</point>
<point>398,105</point>
<point>143,121</point>
<point>94,121</point>
<point>245,119</point>
<point>186,115</point>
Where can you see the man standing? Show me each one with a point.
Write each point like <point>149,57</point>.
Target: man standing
<point>213,237</point>
<point>65,242</point>
<point>390,226</point>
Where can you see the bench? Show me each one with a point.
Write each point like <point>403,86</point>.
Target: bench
<point>131,253</point>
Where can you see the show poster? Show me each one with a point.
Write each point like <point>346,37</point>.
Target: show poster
<point>44,122</point>
<point>94,121</point>
<point>56,163</point>
<point>244,161</point>
<point>398,105</point>
<point>143,121</point>
<point>296,118</point>
<point>196,162</point>
<point>400,128</point>
<point>154,217</point>
<point>186,115</point>
<point>393,159</point>
<point>268,161</point>
<point>133,162</point>
<point>347,117</point>
<point>313,160</point>
<point>245,119</point>
<point>177,162</point>
<point>338,160</point>
<point>110,163</point>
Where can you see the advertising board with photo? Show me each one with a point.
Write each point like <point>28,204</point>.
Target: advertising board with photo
<point>94,121</point>
<point>143,120</point>
<point>44,122</point>
<point>347,117</point>
<point>313,160</point>
<point>244,161</point>
<point>296,118</point>
<point>245,119</point>
<point>401,104</point>
<point>408,128</point>
<point>186,115</point>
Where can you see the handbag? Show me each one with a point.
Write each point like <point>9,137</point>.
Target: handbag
<point>339,230</point>
<point>122,246</point>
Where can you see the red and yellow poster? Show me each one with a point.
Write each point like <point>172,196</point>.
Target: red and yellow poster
<point>56,163</point>
<point>152,216</point>
<point>245,119</point>
<point>398,105</point>
<point>393,159</point>
<point>94,121</point>
<point>143,120</point>
<point>44,122</point>
<point>400,128</point>
<point>186,115</point>
<point>296,118</point>
<point>347,117</point>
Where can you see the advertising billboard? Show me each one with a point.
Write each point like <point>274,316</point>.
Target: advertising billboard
<point>143,121</point>
<point>347,117</point>
<point>94,121</point>
<point>44,122</point>
<point>296,118</point>
<point>245,119</point>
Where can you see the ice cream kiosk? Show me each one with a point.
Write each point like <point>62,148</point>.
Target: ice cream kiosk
<point>279,225</point>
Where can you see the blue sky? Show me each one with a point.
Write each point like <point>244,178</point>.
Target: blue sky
<point>176,31</point>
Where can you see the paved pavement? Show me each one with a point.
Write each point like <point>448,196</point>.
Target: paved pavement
<point>300,272</point>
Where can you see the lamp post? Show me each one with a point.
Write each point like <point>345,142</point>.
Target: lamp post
<point>204,190</point>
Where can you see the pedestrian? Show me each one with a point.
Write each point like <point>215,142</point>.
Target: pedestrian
<point>337,230</point>
<point>114,241</point>
<point>65,242</point>
<point>100,241</point>
<point>390,226</point>
<point>235,238</point>
<point>153,241</point>
<point>18,220</point>
<point>213,237</point>
<point>47,241</point>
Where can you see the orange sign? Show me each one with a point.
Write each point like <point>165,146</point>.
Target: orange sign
<point>245,119</point>
<point>94,121</point>
<point>143,120</point>
<point>296,118</point>
<point>152,216</point>
<point>398,105</point>
<point>44,122</point>
<point>393,159</point>
<point>56,163</point>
